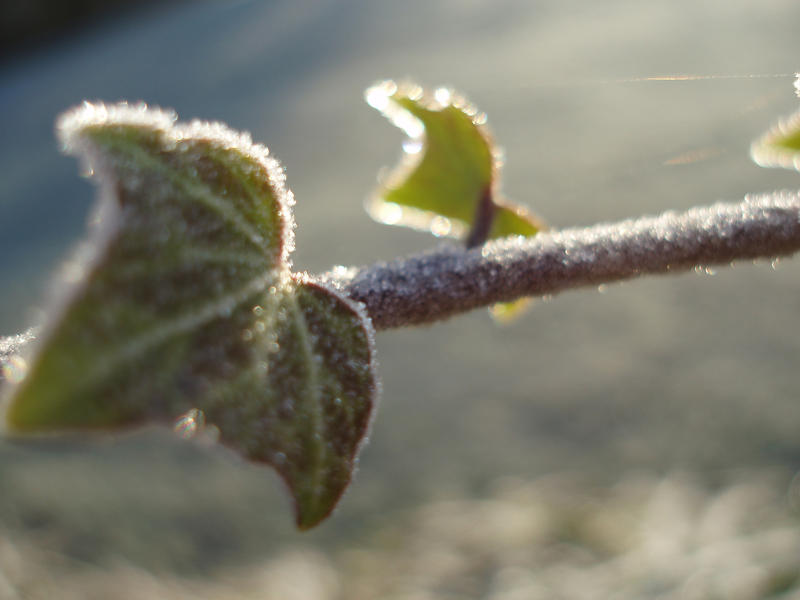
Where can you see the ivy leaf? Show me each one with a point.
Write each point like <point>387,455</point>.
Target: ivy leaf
<point>448,179</point>
<point>780,146</point>
<point>181,309</point>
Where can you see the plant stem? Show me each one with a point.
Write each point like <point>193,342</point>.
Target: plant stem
<point>450,280</point>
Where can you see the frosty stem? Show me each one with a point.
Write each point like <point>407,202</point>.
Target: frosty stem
<point>448,281</point>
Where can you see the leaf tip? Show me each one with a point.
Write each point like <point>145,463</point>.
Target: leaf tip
<point>378,94</point>
<point>307,517</point>
<point>780,146</point>
<point>386,97</point>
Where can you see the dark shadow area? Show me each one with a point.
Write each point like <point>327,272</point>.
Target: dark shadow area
<point>29,26</point>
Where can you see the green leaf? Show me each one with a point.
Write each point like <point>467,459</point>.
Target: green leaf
<point>181,309</point>
<point>448,179</point>
<point>780,146</point>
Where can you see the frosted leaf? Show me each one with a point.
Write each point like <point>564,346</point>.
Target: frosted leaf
<point>448,180</point>
<point>449,170</point>
<point>182,304</point>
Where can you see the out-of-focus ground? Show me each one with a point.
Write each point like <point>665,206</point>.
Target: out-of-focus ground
<point>635,443</point>
<point>551,538</point>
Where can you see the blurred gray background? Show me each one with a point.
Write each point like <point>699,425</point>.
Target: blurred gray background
<point>687,381</point>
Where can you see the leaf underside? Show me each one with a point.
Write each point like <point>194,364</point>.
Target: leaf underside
<point>182,306</point>
<point>447,180</point>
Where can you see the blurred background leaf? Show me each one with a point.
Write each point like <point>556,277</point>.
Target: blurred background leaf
<point>448,180</point>
<point>780,146</point>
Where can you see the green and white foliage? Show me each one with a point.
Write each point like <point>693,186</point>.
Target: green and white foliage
<point>181,308</point>
<point>448,180</point>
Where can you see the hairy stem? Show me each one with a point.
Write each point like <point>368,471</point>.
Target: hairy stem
<point>450,280</point>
